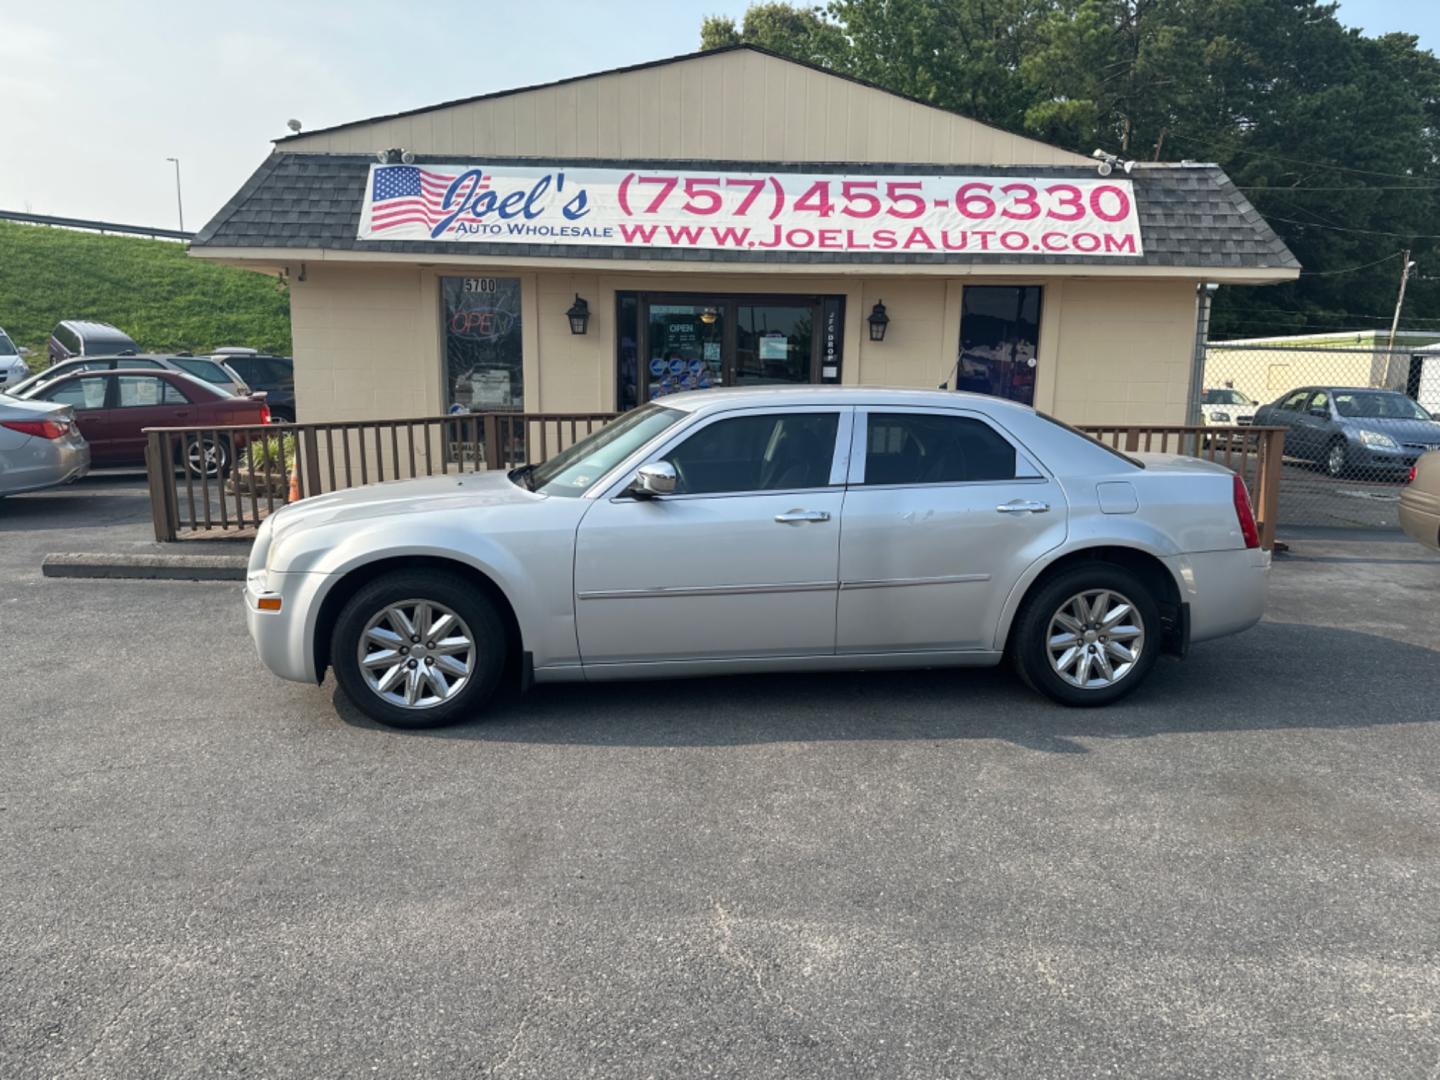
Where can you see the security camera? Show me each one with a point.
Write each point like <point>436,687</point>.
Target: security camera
<point>383,157</point>
<point>1105,168</point>
<point>407,157</point>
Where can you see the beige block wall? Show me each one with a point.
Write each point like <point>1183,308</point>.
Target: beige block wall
<point>368,341</point>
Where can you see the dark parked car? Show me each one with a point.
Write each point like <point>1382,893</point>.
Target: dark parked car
<point>202,367</point>
<point>113,407</point>
<point>77,337</point>
<point>1377,433</point>
<point>273,374</point>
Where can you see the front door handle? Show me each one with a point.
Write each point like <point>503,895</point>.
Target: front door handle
<point>1021,506</point>
<point>802,517</point>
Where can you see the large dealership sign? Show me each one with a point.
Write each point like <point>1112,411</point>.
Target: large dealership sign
<point>659,208</point>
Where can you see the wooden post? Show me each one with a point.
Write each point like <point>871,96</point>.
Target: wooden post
<point>160,472</point>
<point>311,456</point>
<point>494,457</point>
<point>1267,484</point>
<point>1132,440</point>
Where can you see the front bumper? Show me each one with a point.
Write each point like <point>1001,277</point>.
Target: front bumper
<point>285,639</point>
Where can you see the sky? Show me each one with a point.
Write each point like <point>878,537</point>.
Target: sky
<point>95,94</point>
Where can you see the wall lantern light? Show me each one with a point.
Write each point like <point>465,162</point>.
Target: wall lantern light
<point>709,315</point>
<point>579,315</point>
<point>878,322</point>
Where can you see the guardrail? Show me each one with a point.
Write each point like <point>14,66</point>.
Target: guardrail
<point>218,481</point>
<point>1253,452</point>
<point>223,481</point>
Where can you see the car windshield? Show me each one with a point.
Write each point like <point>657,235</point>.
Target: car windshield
<point>573,472</point>
<point>7,347</point>
<point>1226,397</point>
<point>1377,405</point>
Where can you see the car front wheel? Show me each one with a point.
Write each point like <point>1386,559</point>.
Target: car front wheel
<point>418,650</point>
<point>1088,636</point>
<point>1335,458</point>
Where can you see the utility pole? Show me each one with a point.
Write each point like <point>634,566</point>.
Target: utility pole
<point>179,204</point>
<point>1405,267</point>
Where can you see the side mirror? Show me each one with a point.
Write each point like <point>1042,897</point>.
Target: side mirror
<point>656,478</point>
<point>24,351</point>
<point>1435,416</point>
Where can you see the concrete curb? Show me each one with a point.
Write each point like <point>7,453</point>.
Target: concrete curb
<point>149,567</point>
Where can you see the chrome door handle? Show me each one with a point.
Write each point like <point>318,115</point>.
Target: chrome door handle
<point>802,517</point>
<point>1022,507</point>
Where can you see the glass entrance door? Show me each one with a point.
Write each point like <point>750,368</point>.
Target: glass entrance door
<point>999,341</point>
<point>684,348</point>
<point>774,343</point>
<point>696,342</point>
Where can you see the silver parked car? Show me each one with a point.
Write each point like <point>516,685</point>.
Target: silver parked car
<point>1378,434</point>
<point>798,529</point>
<point>40,446</point>
<point>12,362</point>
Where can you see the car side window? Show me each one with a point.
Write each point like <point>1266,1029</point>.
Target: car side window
<point>1295,402</point>
<point>80,393</point>
<point>275,371</point>
<point>766,452</point>
<point>930,448</point>
<point>1321,400</point>
<point>141,391</point>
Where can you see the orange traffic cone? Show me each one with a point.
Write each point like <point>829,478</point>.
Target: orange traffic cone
<point>294,484</point>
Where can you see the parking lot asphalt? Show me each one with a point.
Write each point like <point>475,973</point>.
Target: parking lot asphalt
<point>208,872</point>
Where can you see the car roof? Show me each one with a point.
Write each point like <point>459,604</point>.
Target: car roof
<point>697,401</point>
<point>86,326</point>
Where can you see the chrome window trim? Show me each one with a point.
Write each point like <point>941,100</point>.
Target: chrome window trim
<point>860,438</point>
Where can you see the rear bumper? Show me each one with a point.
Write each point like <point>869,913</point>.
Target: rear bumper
<point>1225,590</point>
<point>1420,518</point>
<point>44,463</point>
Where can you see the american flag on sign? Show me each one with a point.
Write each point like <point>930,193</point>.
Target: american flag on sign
<point>408,194</point>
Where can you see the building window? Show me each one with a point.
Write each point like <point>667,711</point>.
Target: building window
<point>999,341</point>
<point>484,363</point>
<point>627,351</point>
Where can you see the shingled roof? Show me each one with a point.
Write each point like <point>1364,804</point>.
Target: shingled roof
<point>1190,216</point>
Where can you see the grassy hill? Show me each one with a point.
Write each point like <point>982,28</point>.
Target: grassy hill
<point>151,289</point>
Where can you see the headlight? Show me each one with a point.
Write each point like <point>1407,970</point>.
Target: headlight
<point>1374,438</point>
<point>1225,416</point>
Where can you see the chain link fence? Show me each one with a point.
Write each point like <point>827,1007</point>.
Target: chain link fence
<point>1355,421</point>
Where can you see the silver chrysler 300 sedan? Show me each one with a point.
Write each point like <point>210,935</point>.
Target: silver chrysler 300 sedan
<point>727,531</point>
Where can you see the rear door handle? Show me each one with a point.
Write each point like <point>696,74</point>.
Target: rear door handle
<point>1021,506</point>
<point>802,517</point>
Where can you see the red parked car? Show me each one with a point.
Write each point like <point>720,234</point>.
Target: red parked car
<point>113,408</point>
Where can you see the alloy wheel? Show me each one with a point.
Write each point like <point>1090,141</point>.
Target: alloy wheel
<point>205,456</point>
<point>416,654</point>
<point>1335,459</point>
<point>1095,639</point>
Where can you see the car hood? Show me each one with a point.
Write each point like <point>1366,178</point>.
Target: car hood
<point>426,495</point>
<point>1405,431</point>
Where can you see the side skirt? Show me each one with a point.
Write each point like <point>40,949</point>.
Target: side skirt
<point>749,665</point>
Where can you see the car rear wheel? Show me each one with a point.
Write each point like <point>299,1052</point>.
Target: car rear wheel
<point>418,650</point>
<point>1089,636</point>
<point>1336,458</point>
<point>205,455</point>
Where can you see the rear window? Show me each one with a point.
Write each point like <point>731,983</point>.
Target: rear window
<point>204,369</point>
<point>1089,438</point>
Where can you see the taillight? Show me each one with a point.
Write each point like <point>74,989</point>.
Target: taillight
<point>265,414</point>
<point>41,429</point>
<point>1245,515</point>
<point>1412,475</point>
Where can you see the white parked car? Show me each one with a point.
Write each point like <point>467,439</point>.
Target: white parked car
<point>1223,406</point>
<point>798,529</point>
<point>12,362</point>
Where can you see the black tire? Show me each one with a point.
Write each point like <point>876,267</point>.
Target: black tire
<point>1336,465</point>
<point>479,616</point>
<point>1029,640</point>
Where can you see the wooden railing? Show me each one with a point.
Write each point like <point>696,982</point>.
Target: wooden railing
<point>1253,452</point>
<point>223,481</point>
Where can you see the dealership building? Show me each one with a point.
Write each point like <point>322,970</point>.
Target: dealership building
<point>731,217</point>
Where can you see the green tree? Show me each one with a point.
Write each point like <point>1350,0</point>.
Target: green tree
<point>1335,137</point>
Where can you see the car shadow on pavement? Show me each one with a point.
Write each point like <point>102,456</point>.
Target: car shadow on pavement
<point>99,499</point>
<point>1276,676</point>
